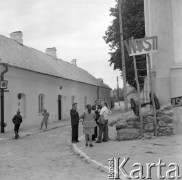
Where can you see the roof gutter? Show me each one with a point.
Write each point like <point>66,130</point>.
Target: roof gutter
<point>3,72</point>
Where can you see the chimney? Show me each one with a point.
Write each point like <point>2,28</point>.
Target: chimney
<point>52,52</point>
<point>101,80</point>
<point>17,36</point>
<point>74,62</point>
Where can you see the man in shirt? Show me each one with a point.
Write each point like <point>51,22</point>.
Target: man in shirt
<point>103,125</point>
<point>74,122</point>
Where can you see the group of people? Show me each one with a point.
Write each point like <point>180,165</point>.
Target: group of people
<point>94,120</point>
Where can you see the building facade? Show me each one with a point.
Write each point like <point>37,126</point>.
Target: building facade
<point>38,80</point>
<point>163,19</point>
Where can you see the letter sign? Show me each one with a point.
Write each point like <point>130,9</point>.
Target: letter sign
<point>141,46</point>
<point>177,101</point>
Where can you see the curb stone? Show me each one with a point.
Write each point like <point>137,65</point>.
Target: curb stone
<point>93,162</point>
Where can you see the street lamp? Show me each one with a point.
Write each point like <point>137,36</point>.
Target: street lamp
<point>3,85</point>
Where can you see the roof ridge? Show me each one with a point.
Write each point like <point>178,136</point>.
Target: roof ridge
<point>29,58</point>
<point>31,48</point>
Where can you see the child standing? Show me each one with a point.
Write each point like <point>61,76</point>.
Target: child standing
<point>45,119</point>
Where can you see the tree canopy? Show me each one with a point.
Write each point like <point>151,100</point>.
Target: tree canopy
<point>133,26</point>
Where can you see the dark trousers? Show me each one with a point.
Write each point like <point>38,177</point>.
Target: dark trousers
<point>75,132</point>
<point>94,136</point>
<point>103,132</point>
<point>16,128</point>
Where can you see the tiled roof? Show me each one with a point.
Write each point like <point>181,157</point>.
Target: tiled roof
<point>21,56</point>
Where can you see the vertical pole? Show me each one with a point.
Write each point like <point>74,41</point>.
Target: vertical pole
<point>123,56</point>
<point>2,97</point>
<point>139,99</point>
<point>2,108</point>
<point>118,89</point>
<point>152,95</point>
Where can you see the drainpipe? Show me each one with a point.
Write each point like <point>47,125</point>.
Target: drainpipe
<point>2,97</point>
<point>98,88</point>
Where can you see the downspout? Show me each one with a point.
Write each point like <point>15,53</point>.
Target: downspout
<point>2,97</point>
<point>98,88</point>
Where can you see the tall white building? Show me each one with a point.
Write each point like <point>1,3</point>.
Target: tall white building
<point>163,18</point>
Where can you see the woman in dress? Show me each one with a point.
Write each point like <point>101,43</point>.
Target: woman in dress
<point>88,124</point>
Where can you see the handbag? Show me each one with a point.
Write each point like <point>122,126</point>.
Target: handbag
<point>102,120</point>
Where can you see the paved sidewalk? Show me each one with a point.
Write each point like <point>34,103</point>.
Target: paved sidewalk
<point>30,130</point>
<point>166,148</point>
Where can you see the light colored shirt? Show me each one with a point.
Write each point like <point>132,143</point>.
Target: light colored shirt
<point>45,115</point>
<point>105,112</point>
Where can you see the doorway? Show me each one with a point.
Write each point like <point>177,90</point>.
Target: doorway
<point>59,107</point>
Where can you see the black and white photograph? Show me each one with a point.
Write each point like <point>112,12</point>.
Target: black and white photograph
<point>90,89</point>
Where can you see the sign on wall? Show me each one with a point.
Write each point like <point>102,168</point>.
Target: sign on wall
<point>177,101</point>
<point>3,84</point>
<point>141,46</point>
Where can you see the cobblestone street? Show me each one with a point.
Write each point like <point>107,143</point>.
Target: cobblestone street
<point>47,155</point>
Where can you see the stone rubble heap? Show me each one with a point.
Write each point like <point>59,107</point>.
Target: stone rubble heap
<point>131,123</point>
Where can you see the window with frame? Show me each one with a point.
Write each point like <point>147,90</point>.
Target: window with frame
<point>41,100</point>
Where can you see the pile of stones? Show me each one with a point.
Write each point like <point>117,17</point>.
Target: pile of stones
<point>164,120</point>
<point>129,128</point>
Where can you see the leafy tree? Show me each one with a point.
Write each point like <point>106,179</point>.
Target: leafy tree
<point>133,26</point>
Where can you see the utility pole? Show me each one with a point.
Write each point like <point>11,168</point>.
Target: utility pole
<point>118,89</point>
<point>123,56</point>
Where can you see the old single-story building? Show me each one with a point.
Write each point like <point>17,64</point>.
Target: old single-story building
<point>38,80</point>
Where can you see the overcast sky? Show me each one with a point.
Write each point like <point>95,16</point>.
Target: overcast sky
<point>74,27</point>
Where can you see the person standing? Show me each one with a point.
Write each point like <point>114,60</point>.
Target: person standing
<point>74,122</point>
<point>45,119</point>
<point>97,107</point>
<point>17,120</point>
<point>88,124</point>
<point>103,124</point>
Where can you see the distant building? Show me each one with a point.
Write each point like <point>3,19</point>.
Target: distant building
<point>38,80</point>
